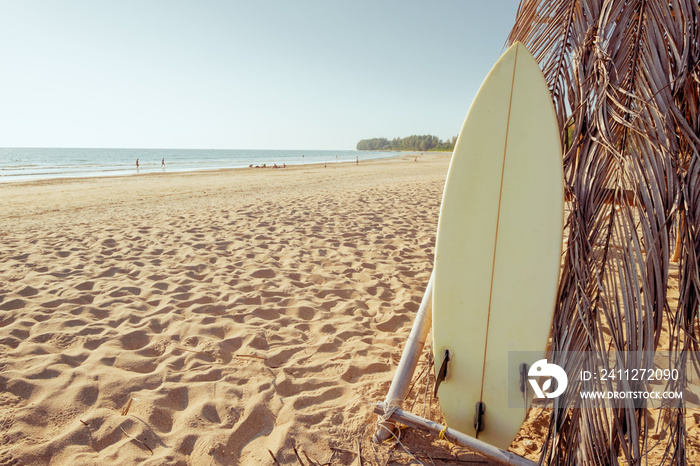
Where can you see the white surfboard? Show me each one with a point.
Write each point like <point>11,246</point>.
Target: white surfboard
<point>498,248</point>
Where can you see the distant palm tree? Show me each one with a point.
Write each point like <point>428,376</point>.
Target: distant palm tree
<point>625,80</point>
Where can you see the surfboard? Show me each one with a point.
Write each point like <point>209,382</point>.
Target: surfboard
<point>498,250</point>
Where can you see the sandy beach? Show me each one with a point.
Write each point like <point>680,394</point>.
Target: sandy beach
<point>219,318</point>
<point>207,318</point>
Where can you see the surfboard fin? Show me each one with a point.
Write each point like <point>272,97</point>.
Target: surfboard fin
<point>523,383</point>
<point>479,416</point>
<point>442,373</point>
<point>523,378</point>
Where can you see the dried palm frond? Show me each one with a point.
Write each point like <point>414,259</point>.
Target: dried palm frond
<point>625,81</point>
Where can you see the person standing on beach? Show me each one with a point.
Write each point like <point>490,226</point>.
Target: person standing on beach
<point>137,165</point>
<point>162,163</point>
<point>357,160</point>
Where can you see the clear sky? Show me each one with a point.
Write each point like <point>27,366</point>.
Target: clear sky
<point>254,74</point>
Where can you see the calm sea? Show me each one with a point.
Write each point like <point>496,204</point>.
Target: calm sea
<point>27,164</point>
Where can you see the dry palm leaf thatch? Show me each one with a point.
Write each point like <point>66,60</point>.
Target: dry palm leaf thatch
<point>625,80</point>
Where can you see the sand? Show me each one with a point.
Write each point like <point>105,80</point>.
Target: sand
<point>240,311</point>
<point>217,318</point>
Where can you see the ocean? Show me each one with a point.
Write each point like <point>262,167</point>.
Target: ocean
<point>29,164</point>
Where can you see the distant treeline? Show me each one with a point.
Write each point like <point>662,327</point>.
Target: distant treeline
<point>415,142</point>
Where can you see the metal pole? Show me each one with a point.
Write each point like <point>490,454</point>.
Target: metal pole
<point>409,361</point>
<point>454,436</point>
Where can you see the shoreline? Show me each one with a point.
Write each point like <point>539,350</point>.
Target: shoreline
<point>155,168</point>
<point>28,200</point>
